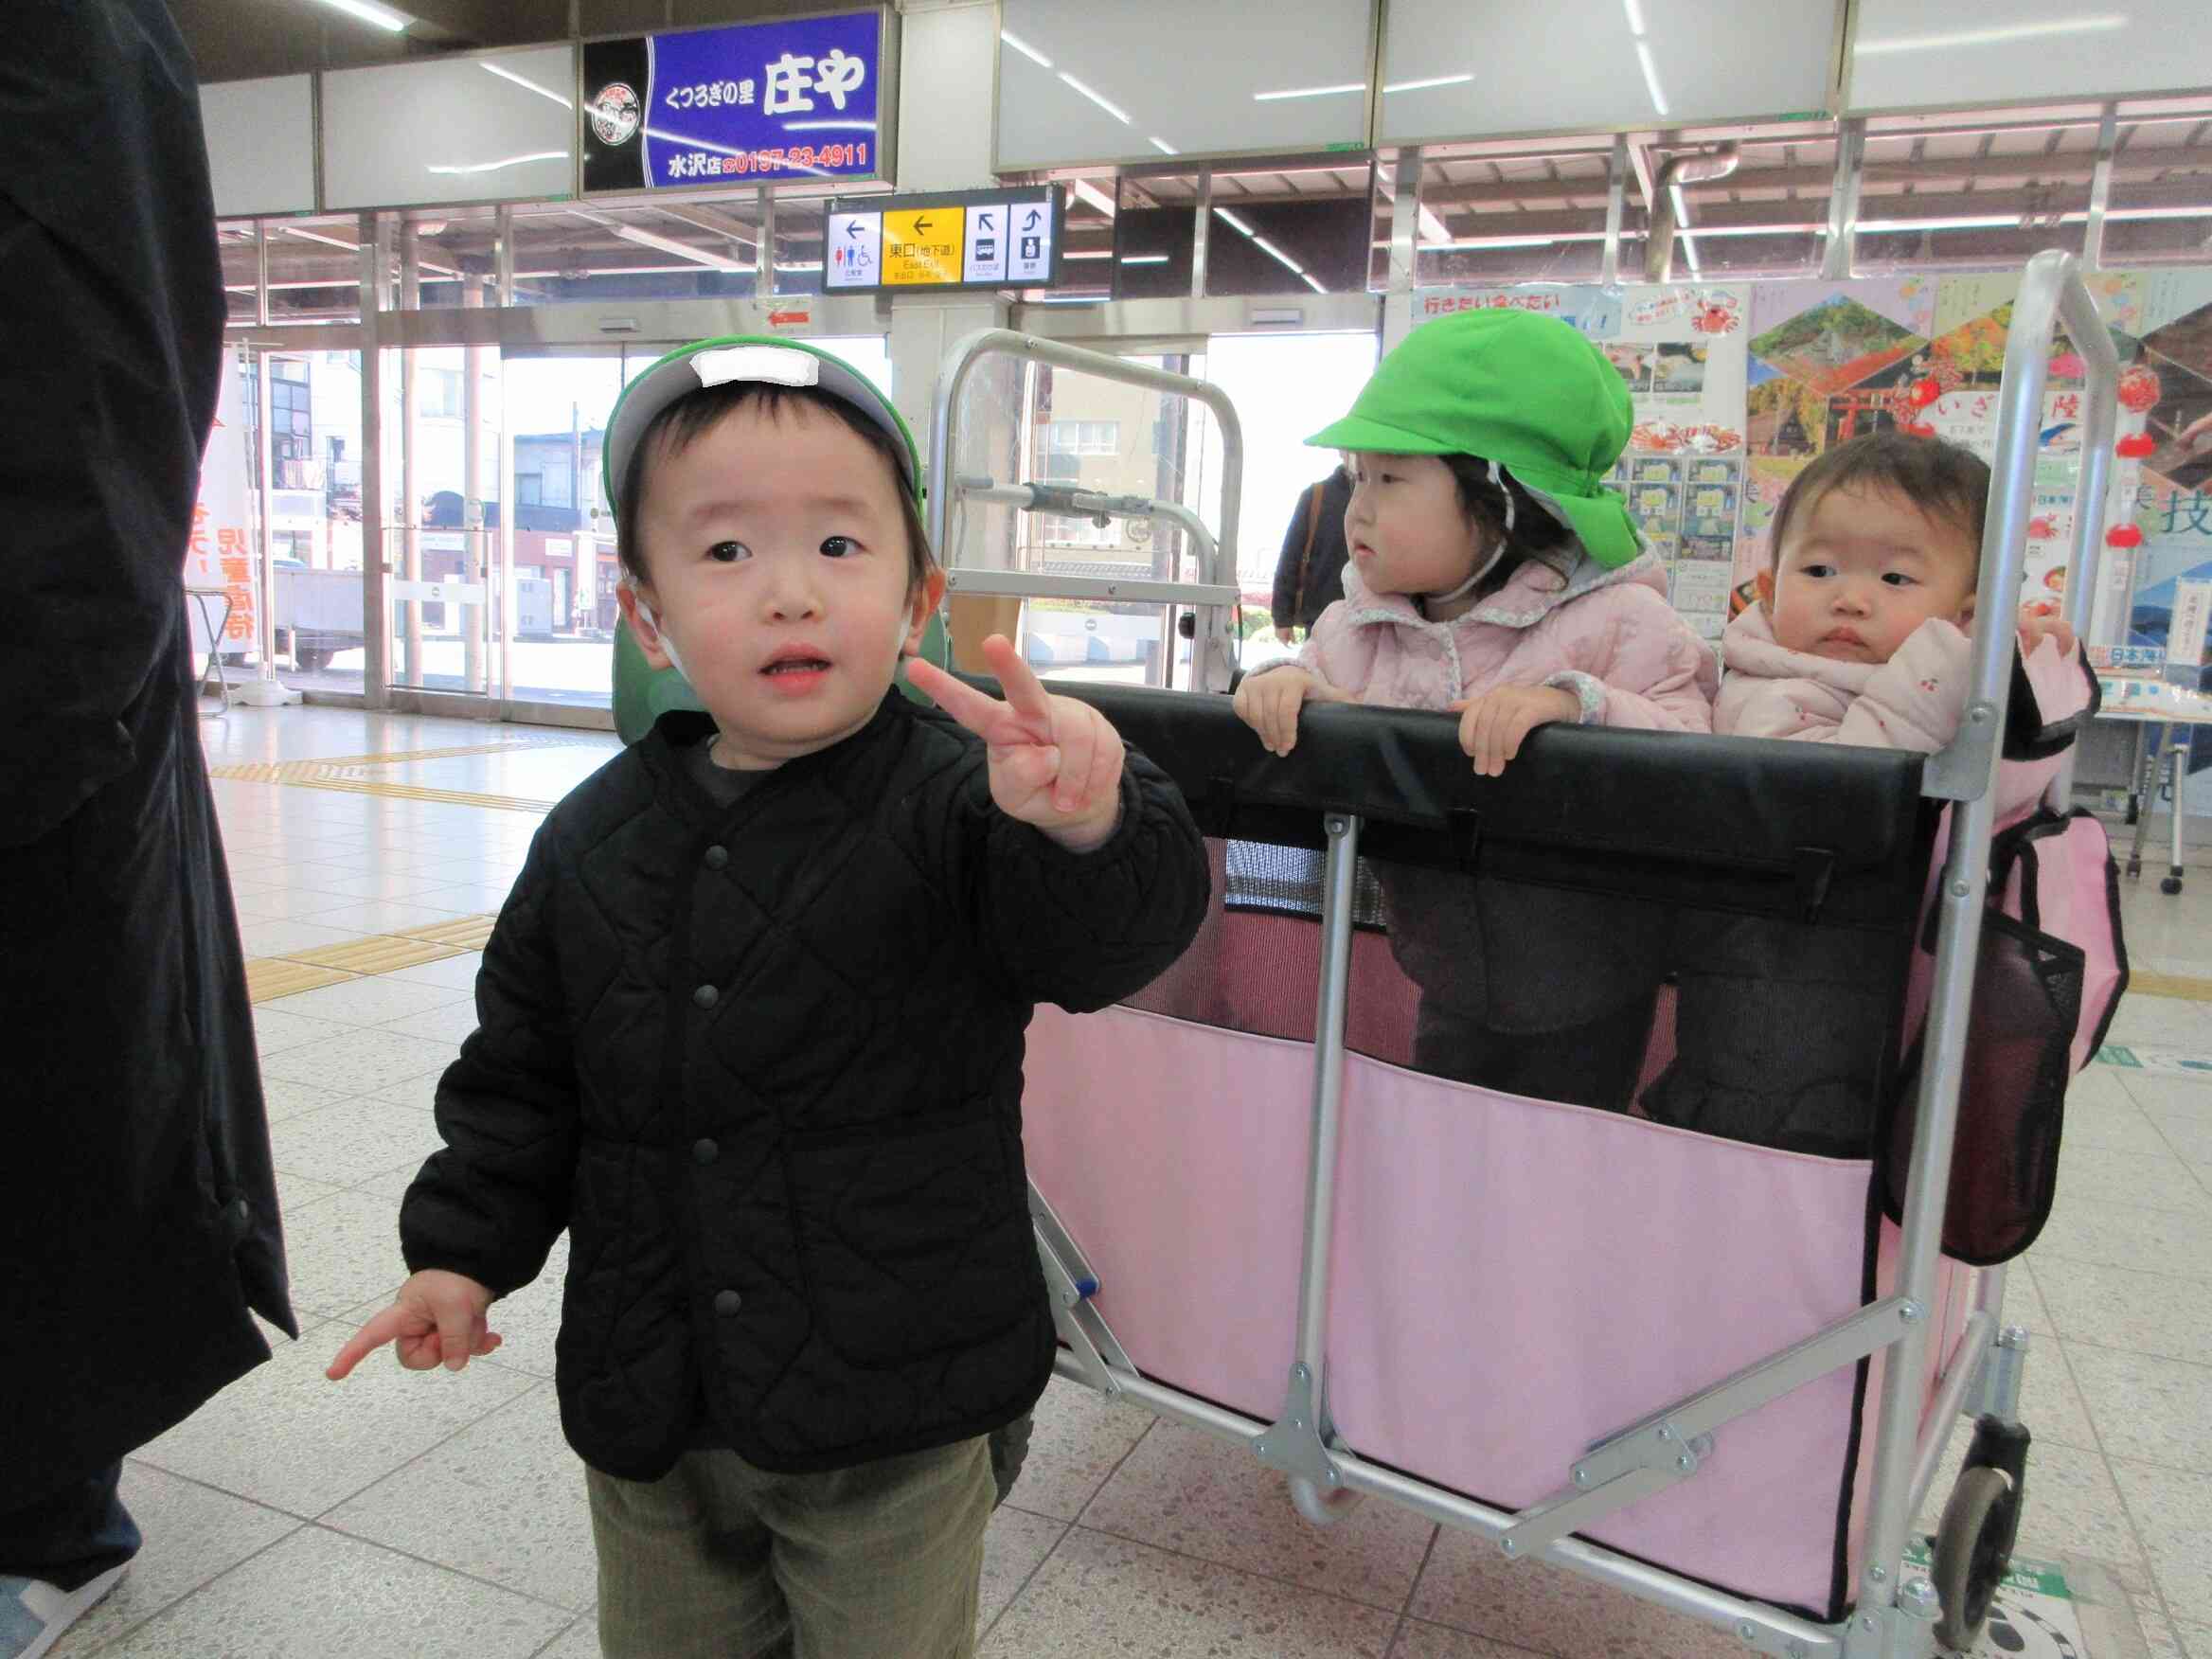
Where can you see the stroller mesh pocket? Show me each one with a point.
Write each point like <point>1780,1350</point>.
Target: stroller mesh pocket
<point>2011,1099</point>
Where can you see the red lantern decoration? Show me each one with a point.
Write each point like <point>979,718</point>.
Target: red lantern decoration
<point>2135,446</point>
<point>1925,392</point>
<point>2124,535</point>
<point>2140,390</point>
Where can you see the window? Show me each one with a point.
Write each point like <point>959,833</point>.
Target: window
<point>437,392</point>
<point>528,488</point>
<point>1084,438</point>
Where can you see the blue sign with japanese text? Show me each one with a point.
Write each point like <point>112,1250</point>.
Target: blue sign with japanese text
<point>765,102</point>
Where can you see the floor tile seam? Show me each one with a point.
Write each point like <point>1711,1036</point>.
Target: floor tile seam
<point>1128,1453</point>
<point>299,1525</point>
<point>561,1636</point>
<point>1428,1555</point>
<point>322,1517</point>
<point>1028,1579</point>
<point>574,1613</point>
<point>2111,1474</point>
<point>2045,1253</point>
<point>1247,1572</point>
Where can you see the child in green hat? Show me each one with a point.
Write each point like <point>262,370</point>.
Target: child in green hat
<point>1493,576</point>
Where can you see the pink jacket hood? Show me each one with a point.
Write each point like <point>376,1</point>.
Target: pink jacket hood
<point>1914,701</point>
<point>1607,635</point>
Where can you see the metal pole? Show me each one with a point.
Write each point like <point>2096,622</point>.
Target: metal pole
<point>764,250</point>
<point>503,257</point>
<point>1842,200</point>
<point>1340,879</point>
<point>1617,198</point>
<point>410,509</point>
<point>1405,215</point>
<point>473,493</point>
<point>1973,815</point>
<point>376,631</point>
<point>2100,188</point>
<point>264,450</point>
<point>261,272</point>
<point>1202,231</point>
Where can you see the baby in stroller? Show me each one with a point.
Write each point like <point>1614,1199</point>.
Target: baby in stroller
<point>1860,635</point>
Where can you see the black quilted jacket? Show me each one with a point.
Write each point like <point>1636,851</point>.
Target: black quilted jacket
<point>764,1062</point>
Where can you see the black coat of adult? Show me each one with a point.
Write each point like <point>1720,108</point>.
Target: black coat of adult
<point>763,1061</point>
<point>138,1212</point>
<point>1309,578</point>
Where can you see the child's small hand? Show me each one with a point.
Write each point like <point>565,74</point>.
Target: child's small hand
<point>1055,762</point>
<point>1492,725</point>
<point>1269,705</point>
<point>2034,630</point>
<point>436,1318</point>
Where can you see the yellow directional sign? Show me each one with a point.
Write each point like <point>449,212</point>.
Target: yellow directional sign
<point>923,247</point>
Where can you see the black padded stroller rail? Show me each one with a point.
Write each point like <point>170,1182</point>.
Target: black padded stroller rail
<point>1735,823</point>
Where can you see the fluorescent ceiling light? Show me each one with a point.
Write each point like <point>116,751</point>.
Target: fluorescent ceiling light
<point>484,167</point>
<point>1026,51</point>
<point>367,12</point>
<point>1650,77</point>
<point>1090,254</point>
<point>1267,248</point>
<point>1233,222</point>
<point>1990,36</point>
<point>2152,213</point>
<point>1689,251</point>
<point>1470,243</point>
<point>1635,17</point>
<point>1069,300</point>
<point>1094,195</point>
<point>316,236</point>
<point>1140,258</point>
<point>1113,110</point>
<point>1432,80</point>
<point>798,264</point>
<point>669,244</point>
<point>1680,207</point>
<point>1308,92</point>
<point>523,80</point>
<point>1311,282</point>
<point>1433,227</point>
<point>1985,222</point>
<point>1162,146</point>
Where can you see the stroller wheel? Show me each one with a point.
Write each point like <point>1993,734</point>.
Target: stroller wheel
<point>1010,1450</point>
<point>1973,1550</point>
<point>2169,886</point>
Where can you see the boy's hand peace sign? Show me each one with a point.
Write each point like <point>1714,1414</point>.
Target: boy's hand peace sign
<point>1054,763</point>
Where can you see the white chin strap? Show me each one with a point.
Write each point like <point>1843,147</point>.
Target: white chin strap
<point>668,645</point>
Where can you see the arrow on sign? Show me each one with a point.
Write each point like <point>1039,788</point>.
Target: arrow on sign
<point>983,220</point>
<point>921,227</point>
<point>852,231</point>
<point>1030,223</point>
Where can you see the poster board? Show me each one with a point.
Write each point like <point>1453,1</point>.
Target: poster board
<point>219,552</point>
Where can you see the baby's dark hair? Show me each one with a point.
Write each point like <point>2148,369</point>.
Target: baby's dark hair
<point>1943,480</point>
<point>683,422</point>
<point>1536,536</point>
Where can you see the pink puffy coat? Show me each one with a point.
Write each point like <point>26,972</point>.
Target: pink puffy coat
<point>1911,702</point>
<point>1607,635</point>
<point>1565,960</point>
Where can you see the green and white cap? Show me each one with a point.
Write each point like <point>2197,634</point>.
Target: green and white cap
<point>1525,392</point>
<point>761,358</point>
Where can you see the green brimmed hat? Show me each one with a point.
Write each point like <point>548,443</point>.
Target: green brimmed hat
<point>762,358</point>
<point>1506,385</point>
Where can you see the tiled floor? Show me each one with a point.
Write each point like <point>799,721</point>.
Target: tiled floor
<point>416,1516</point>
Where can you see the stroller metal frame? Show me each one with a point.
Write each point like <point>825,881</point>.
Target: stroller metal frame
<point>1893,1617</point>
<point>1211,599</point>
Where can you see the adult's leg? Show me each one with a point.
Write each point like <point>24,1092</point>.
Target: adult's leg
<point>71,1537</point>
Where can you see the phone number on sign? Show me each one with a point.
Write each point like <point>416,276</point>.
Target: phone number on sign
<point>699,165</point>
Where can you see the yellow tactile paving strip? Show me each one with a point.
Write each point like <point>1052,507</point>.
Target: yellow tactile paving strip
<point>270,977</point>
<point>347,774</point>
<point>2146,984</point>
